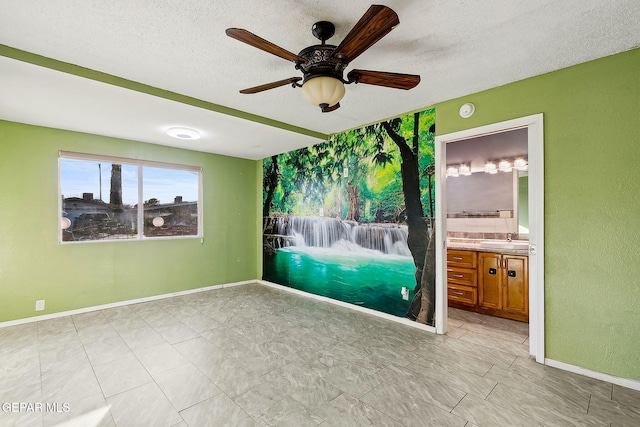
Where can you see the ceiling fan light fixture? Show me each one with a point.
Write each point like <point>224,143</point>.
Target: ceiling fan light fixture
<point>323,90</point>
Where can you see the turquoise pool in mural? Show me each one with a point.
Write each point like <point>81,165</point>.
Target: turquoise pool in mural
<point>367,278</point>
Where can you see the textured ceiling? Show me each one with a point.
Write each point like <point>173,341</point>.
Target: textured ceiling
<point>458,48</point>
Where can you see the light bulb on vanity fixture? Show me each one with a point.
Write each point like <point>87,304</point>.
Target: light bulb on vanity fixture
<point>491,168</point>
<point>520,164</point>
<point>505,166</point>
<point>464,170</point>
<point>452,171</point>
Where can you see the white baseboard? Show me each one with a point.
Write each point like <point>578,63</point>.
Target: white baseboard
<point>391,317</point>
<point>624,382</point>
<point>119,304</point>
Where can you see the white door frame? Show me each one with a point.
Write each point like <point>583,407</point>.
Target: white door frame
<point>534,124</point>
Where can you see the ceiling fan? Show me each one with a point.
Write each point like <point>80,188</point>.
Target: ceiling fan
<point>323,65</point>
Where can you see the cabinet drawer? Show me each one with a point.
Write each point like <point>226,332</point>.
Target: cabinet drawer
<point>462,294</point>
<point>462,276</point>
<point>467,259</point>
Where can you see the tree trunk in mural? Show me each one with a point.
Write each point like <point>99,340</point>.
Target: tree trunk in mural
<point>270,183</point>
<point>417,227</point>
<point>115,196</point>
<point>427,285</point>
<point>417,239</point>
<point>353,211</point>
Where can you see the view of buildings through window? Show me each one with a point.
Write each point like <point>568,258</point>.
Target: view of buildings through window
<point>101,200</point>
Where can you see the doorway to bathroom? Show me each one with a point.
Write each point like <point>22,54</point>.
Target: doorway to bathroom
<point>485,224</point>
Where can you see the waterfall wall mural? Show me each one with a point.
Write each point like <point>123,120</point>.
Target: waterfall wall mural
<point>350,219</point>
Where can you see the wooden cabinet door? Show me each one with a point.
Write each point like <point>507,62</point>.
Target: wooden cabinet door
<point>516,284</point>
<point>490,280</point>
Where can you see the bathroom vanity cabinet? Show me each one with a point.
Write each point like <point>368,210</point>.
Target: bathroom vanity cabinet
<point>492,283</point>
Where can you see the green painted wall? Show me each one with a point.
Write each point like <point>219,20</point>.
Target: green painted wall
<point>34,266</point>
<point>592,203</point>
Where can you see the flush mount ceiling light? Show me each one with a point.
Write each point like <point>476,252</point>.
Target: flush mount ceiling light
<point>323,65</point>
<point>183,133</point>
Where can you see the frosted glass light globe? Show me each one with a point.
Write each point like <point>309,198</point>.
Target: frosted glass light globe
<point>158,221</point>
<point>323,90</point>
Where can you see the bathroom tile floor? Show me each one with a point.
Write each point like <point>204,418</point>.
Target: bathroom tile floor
<point>257,356</point>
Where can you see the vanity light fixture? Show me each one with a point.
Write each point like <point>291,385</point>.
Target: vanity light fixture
<point>491,168</point>
<point>505,166</point>
<point>183,133</point>
<point>452,171</point>
<point>464,170</point>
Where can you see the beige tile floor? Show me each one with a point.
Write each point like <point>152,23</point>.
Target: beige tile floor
<point>252,355</point>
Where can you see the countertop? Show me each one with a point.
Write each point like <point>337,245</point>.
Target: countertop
<point>475,245</point>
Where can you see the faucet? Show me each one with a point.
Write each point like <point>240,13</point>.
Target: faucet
<point>509,237</point>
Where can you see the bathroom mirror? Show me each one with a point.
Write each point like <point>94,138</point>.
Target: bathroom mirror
<point>478,201</point>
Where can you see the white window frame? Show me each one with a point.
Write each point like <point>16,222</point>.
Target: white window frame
<point>140,164</point>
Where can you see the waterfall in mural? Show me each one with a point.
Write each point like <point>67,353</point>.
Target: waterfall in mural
<point>323,232</point>
<point>363,264</point>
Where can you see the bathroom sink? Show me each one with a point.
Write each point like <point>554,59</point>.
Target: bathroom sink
<point>505,244</point>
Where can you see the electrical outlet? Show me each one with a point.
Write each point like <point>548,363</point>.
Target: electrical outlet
<point>40,305</point>
<point>405,293</point>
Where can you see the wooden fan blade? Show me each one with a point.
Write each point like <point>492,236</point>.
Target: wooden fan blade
<point>262,44</point>
<point>272,85</point>
<point>374,24</point>
<point>330,109</point>
<point>381,78</point>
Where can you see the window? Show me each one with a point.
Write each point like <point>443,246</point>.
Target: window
<point>110,198</point>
